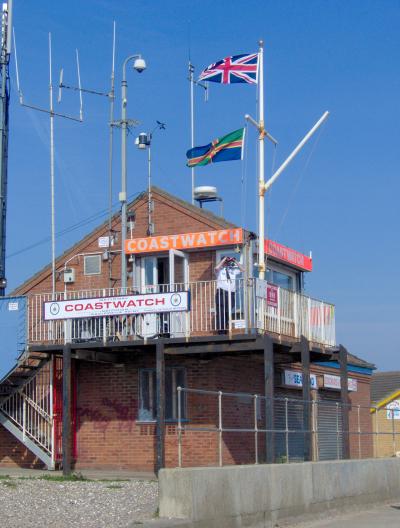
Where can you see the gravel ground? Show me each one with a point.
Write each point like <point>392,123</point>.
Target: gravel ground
<point>32,502</point>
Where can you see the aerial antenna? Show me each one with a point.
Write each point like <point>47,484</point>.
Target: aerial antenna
<point>52,114</point>
<point>6,27</point>
<point>111,97</point>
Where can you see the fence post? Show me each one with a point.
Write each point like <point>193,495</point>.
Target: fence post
<point>376,433</point>
<point>359,431</point>
<point>179,392</point>
<point>220,428</point>
<point>393,434</point>
<point>256,428</point>
<point>287,430</point>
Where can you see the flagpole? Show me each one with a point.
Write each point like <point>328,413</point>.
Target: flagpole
<point>191,72</point>
<point>261,176</point>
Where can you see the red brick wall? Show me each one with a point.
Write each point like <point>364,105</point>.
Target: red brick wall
<point>168,217</point>
<point>14,454</point>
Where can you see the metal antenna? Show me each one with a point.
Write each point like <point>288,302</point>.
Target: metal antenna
<point>111,97</point>
<point>52,114</point>
<point>6,26</point>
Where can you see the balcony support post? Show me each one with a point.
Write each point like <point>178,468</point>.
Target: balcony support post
<point>269,398</point>
<point>306,384</point>
<point>66,417</point>
<point>160,399</point>
<point>344,399</point>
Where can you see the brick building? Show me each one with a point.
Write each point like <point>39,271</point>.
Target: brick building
<point>97,383</point>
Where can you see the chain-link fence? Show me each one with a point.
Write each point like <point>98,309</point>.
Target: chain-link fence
<point>223,428</point>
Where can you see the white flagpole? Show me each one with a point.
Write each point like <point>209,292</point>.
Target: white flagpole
<point>191,73</point>
<point>261,176</point>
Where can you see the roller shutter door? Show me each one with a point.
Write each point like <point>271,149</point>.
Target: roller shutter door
<point>329,426</point>
<point>290,443</point>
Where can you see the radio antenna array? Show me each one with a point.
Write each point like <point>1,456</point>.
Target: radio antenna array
<point>52,114</point>
<point>111,97</point>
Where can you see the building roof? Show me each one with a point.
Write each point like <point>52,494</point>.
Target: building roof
<point>358,362</point>
<point>215,222</point>
<point>384,384</point>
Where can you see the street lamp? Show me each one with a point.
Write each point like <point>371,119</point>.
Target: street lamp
<point>139,65</point>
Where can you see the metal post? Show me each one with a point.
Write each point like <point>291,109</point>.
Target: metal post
<point>4,106</point>
<point>160,395</point>
<point>179,394</point>
<point>287,430</point>
<point>393,434</point>
<point>305,366</point>
<point>110,160</point>
<point>191,73</point>
<point>344,398</point>
<point>67,404</point>
<point>53,229</point>
<point>256,428</point>
<point>261,176</point>
<point>269,398</point>
<point>23,416</point>
<point>359,431</point>
<point>122,196</point>
<point>220,428</point>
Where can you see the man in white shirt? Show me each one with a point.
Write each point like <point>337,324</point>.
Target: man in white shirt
<point>227,272</point>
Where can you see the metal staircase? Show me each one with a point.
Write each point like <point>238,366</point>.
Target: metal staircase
<point>26,405</point>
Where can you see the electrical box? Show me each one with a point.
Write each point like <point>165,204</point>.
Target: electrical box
<point>69,275</point>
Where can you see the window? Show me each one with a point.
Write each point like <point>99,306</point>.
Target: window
<point>92,265</point>
<point>174,378</point>
<point>280,279</point>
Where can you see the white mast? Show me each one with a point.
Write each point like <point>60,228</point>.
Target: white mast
<point>261,177</point>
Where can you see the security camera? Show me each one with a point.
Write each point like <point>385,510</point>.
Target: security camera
<point>139,65</point>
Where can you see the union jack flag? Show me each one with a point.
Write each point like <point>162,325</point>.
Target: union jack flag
<point>236,69</point>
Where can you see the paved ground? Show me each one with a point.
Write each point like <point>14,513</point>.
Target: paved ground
<point>30,501</point>
<point>385,516</point>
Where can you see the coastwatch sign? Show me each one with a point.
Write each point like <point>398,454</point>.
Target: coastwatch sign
<point>120,305</point>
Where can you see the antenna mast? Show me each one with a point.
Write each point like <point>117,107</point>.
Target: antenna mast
<point>52,114</point>
<point>111,96</point>
<point>6,24</point>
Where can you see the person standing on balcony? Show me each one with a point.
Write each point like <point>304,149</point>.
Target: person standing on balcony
<point>226,272</point>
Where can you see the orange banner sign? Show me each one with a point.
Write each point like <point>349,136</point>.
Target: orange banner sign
<point>224,237</point>
<point>290,256</point>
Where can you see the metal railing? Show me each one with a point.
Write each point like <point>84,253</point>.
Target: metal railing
<point>212,311</point>
<point>233,426</point>
<point>30,409</point>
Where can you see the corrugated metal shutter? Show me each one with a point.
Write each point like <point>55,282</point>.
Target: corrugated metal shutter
<point>329,426</point>
<point>289,444</point>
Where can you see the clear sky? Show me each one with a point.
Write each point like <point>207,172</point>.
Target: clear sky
<point>338,199</point>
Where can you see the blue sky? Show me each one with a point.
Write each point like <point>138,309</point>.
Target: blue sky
<point>338,199</point>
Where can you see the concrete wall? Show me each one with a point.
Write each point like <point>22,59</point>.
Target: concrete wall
<point>258,496</point>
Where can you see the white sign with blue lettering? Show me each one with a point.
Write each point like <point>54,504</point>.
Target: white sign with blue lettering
<point>293,378</point>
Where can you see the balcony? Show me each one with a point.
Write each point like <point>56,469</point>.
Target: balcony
<point>255,307</point>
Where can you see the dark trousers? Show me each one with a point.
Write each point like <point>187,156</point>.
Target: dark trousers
<point>222,308</point>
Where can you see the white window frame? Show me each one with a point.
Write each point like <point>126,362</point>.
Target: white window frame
<point>274,266</point>
<point>85,257</point>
